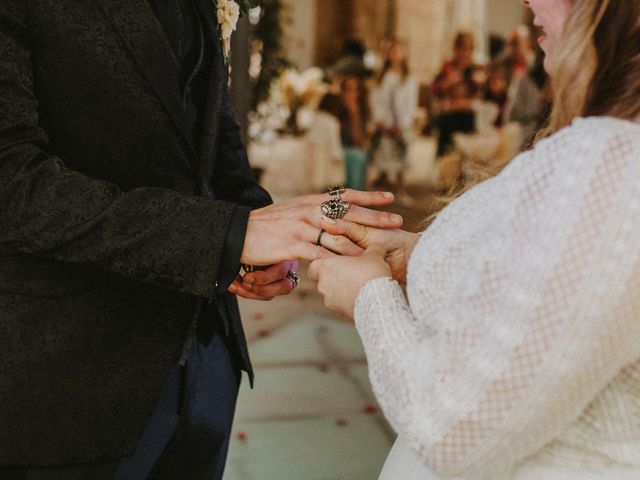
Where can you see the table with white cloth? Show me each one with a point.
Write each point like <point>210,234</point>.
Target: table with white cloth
<point>294,165</point>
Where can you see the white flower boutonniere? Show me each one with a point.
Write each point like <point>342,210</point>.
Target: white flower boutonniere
<point>228,12</point>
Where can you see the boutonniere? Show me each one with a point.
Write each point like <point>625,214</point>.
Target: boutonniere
<point>228,12</point>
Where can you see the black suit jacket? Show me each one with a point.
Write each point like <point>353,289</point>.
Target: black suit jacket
<point>107,239</point>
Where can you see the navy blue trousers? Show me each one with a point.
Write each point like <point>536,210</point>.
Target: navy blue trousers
<point>188,435</point>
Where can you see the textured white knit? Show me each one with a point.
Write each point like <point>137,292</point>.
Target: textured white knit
<point>519,345</point>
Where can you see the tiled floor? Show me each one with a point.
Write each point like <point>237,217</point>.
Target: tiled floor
<point>311,415</point>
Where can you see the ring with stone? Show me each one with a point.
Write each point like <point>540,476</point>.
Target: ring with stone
<point>335,209</point>
<point>293,277</point>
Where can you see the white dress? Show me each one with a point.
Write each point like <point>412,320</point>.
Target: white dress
<point>516,353</point>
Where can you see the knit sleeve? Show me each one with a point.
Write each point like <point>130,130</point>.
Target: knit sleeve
<point>526,346</point>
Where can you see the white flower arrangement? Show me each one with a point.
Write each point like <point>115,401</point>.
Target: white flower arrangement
<point>293,97</point>
<point>228,13</point>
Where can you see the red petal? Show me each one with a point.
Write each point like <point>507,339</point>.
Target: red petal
<point>242,436</point>
<point>264,332</point>
<point>370,408</point>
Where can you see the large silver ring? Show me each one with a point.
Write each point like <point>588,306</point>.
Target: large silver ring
<point>335,208</point>
<point>293,277</point>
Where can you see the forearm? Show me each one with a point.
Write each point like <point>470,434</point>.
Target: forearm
<point>151,234</point>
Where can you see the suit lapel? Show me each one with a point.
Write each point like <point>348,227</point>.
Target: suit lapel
<point>142,35</point>
<point>216,83</point>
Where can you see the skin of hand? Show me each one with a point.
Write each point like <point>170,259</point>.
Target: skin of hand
<point>289,230</point>
<point>340,279</point>
<point>265,284</point>
<point>398,244</point>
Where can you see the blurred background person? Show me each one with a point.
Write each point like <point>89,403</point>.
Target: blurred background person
<point>507,71</point>
<point>519,57</point>
<point>351,62</point>
<point>458,84</point>
<point>395,106</point>
<point>325,143</point>
<point>354,119</point>
<point>496,92</point>
<point>531,102</point>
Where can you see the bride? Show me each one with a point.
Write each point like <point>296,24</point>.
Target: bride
<point>516,352</point>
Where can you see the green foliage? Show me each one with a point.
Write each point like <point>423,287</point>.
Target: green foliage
<point>268,36</point>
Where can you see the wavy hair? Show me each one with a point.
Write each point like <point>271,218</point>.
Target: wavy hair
<point>596,70</point>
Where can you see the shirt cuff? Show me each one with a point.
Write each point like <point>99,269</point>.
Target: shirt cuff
<point>233,245</point>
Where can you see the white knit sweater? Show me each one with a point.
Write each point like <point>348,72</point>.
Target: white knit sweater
<point>519,345</point>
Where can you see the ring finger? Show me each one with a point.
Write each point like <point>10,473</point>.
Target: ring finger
<point>340,245</point>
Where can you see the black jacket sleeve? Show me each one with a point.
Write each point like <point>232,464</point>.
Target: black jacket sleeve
<point>152,234</point>
<point>234,180</point>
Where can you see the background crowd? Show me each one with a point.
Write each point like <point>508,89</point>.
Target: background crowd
<point>364,110</point>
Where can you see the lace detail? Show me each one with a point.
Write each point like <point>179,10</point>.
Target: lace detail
<point>520,334</point>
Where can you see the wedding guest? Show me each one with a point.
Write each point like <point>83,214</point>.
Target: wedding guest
<point>354,127</point>
<point>519,57</point>
<point>531,102</point>
<point>515,354</point>
<point>327,154</point>
<point>395,106</point>
<point>497,46</point>
<point>508,71</point>
<point>351,61</point>
<point>496,92</point>
<point>458,84</point>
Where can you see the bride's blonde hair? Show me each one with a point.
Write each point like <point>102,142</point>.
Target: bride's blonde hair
<point>595,72</point>
<point>596,67</point>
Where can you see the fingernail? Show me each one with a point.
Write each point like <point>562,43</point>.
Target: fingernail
<point>232,288</point>
<point>396,218</point>
<point>388,195</point>
<point>329,220</point>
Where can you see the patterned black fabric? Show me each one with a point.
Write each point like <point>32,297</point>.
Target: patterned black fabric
<point>107,237</point>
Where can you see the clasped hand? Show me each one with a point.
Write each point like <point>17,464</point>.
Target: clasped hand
<point>340,278</point>
<point>280,234</point>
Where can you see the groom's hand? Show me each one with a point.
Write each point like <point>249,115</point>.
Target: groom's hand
<point>290,229</point>
<point>265,284</point>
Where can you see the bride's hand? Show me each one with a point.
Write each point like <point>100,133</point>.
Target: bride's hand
<point>289,230</point>
<point>340,279</point>
<point>398,243</point>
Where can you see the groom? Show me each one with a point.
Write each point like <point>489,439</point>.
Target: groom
<point>126,207</point>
